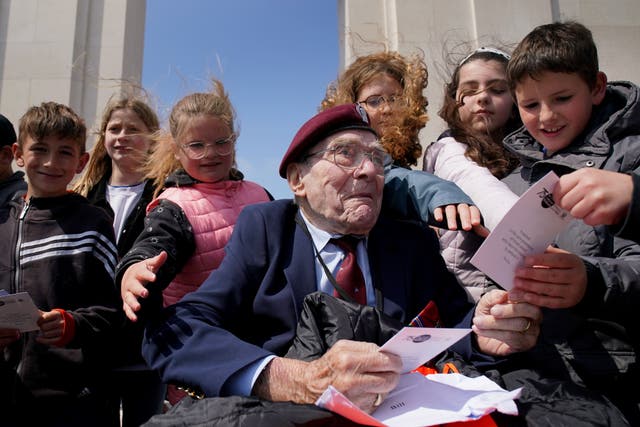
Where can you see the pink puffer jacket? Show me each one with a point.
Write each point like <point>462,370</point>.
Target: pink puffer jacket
<point>212,210</point>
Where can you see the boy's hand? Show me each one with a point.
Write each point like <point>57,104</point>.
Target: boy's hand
<point>469,216</point>
<point>554,279</point>
<point>134,281</point>
<point>598,197</point>
<point>51,327</point>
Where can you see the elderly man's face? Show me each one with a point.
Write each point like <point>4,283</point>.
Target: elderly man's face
<point>338,199</point>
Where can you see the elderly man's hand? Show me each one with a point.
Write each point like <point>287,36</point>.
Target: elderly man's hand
<point>504,327</point>
<point>357,369</point>
<point>468,215</point>
<point>134,281</point>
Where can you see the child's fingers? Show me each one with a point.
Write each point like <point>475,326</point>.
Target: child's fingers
<point>437,214</point>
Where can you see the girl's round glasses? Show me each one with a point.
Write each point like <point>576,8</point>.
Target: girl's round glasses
<point>197,149</point>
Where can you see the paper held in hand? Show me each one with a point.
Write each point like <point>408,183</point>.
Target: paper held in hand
<point>420,401</point>
<point>17,311</point>
<point>528,228</point>
<point>417,346</point>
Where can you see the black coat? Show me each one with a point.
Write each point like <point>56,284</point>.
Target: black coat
<point>325,320</point>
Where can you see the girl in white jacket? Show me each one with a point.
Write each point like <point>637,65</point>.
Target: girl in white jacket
<point>479,110</point>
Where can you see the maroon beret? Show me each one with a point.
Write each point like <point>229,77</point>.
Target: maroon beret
<point>320,126</point>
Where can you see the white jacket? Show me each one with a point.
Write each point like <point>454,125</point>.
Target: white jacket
<point>446,159</point>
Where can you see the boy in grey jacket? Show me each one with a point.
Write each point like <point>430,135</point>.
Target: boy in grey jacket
<point>589,281</point>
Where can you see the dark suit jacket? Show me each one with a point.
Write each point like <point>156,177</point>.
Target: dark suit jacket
<point>249,307</point>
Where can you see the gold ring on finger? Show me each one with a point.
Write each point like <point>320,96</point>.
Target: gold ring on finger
<point>378,400</point>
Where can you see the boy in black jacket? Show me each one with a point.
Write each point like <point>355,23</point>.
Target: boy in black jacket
<point>59,249</point>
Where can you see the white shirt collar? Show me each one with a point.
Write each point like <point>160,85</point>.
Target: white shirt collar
<point>320,237</point>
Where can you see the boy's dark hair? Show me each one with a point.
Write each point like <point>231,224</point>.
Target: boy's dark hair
<point>51,118</point>
<point>561,47</point>
<point>7,133</point>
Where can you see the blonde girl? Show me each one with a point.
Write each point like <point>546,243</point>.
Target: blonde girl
<point>114,177</point>
<point>191,219</point>
<point>114,180</point>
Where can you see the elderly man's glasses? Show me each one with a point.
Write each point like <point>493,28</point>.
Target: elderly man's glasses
<point>197,149</point>
<point>351,156</point>
<point>377,101</point>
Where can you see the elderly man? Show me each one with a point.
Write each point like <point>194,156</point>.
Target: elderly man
<point>229,336</point>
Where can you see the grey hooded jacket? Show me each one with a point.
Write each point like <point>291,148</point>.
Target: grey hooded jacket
<point>596,342</point>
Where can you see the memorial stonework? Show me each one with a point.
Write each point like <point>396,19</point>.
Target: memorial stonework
<point>366,26</point>
<point>76,51</point>
<point>71,51</point>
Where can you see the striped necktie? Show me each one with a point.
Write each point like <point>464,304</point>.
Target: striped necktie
<point>349,276</point>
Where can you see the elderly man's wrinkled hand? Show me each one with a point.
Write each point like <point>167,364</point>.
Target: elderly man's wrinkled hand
<point>359,371</point>
<point>504,327</point>
<point>356,369</point>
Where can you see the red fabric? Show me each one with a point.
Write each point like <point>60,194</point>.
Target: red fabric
<point>425,370</point>
<point>350,276</point>
<point>429,317</point>
<point>320,126</point>
<point>485,421</point>
<point>68,328</point>
<point>174,394</point>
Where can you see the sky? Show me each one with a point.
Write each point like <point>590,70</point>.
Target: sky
<point>274,57</point>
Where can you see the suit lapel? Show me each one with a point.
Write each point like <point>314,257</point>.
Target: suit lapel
<point>300,273</point>
<point>384,258</point>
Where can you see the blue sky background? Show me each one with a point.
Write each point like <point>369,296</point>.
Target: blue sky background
<point>274,57</point>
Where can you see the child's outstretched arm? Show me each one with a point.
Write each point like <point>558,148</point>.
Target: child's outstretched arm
<point>134,281</point>
<point>446,158</point>
<point>423,196</point>
<point>168,230</point>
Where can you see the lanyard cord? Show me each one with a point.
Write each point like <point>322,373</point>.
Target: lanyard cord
<point>330,276</point>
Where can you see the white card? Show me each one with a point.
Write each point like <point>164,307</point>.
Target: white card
<point>416,346</point>
<point>17,311</point>
<point>528,228</point>
<point>433,400</point>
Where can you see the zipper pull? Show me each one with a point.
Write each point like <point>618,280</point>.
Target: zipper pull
<point>24,209</point>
